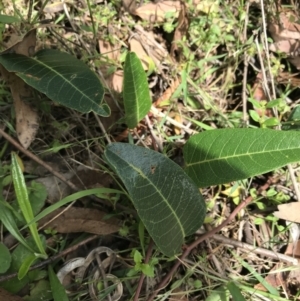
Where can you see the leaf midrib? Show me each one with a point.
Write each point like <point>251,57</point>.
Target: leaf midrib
<point>135,90</point>
<point>239,156</point>
<point>163,198</point>
<point>58,74</point>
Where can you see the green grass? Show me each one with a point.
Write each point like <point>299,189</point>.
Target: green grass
<point>216,90</point>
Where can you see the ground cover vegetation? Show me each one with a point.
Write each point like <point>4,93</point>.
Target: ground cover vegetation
<point>149,150</point>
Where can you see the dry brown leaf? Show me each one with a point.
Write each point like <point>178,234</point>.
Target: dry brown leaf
<point>5,295</point>
<point>285,27</point>
<point>54,7</point>
<point>107,49</point>
<point>129,5</point>
<point>180,31</point>
<point>258,91</point>
<point>275,278</point>
<point>56,189</point>
<point>178,294</point>
<point>156,12</point>
<point>259,95</point>
<point>179,119</point>
<point>168,93</point>
<point>81,177</point>
<point>289,212</point>
<point>155,49</point>
<point>81,220</point>
<point>112,52</point>
<point>117,82</point>
<point>25,45</point>
<point>136,46</point>
<point>293,249</point>
<point>26,117</point>
<point>286,34</point>
<point>293,278</point>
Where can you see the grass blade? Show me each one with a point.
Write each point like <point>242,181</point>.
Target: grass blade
<point>8,221</point>
<point>24,203</point>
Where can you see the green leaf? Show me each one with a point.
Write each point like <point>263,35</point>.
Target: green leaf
<point>137,101</point>
<point>5,258</point>
<point>293,122</point>
<point>41,290</point>
<point>23,201</point>
<point>37,195</point>
<point>137,257</point>
<point>219,294</point>
<point>273,121</point>
<point>166,199</point>
<point>235,292</point>
<point>221,156</point>
<point>19,255</point>
<point>272,290</point>
<point>8,221</point>
<point>58,291</point>
<point>26,264</point>
<point>8,19</point>
<point>61,77</point>
<point>147,270</point>
<point>254,115</point>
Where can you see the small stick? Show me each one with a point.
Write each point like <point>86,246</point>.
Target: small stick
<point>197,242</point>
<point>205,236</point>
<point>53,258</point>
<point>261,251</point>
<point>102,128</point>
<point>37,159</point>
<point>156,112</point>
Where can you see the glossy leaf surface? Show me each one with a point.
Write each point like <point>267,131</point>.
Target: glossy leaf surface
<point>166,199</point>
<point>221,156</point>
<point>23,201</point>
<point>61,77</point>
<point>136,95</point>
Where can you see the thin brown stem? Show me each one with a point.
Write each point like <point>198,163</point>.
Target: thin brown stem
<point>37,159</point>
<point>197,242</point>
<point>142,277</point>
<point>52,259</point>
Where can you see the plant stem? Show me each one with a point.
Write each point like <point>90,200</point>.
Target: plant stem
<point>197,242</point>
<point>142,277</point>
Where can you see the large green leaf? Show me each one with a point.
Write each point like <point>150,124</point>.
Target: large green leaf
<point>137,101</point>
<point>221,156</point>
<point>293,122</point>
<point>61,77</point>
<point>167,201</point>
<point>58,291</point>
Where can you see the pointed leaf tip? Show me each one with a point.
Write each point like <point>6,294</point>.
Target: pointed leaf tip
<point>137,101</point>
